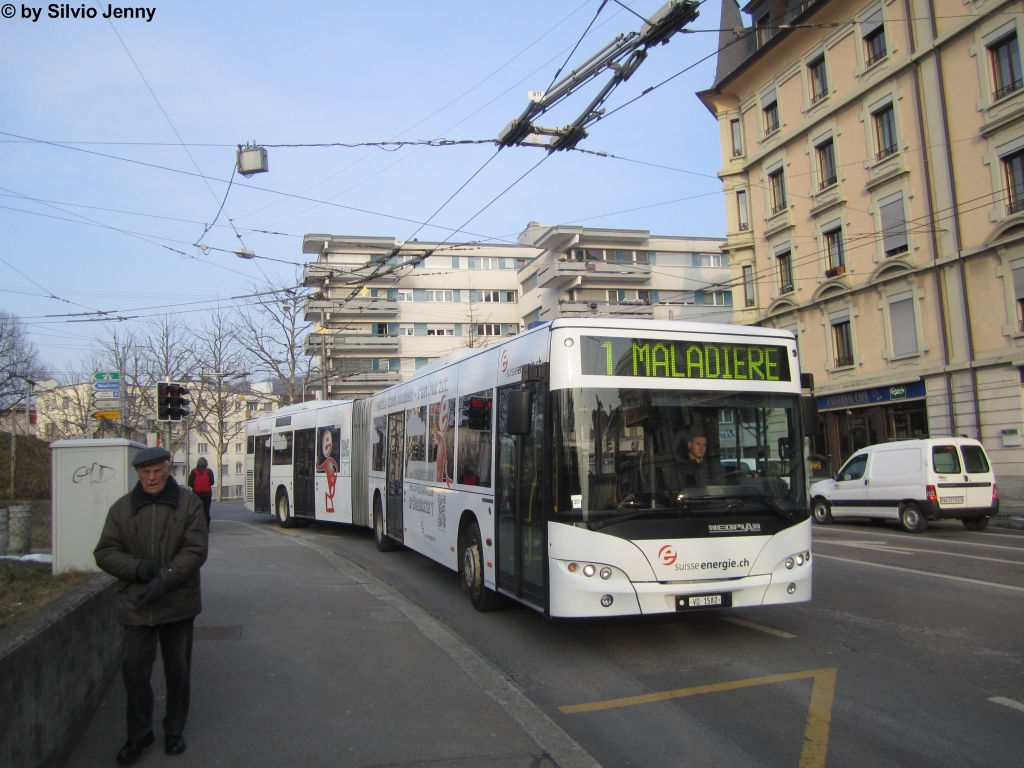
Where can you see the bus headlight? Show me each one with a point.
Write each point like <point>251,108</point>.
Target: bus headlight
<point>789,563</point>
<point>800,559</point>
<point>589,570</point>
<point>606,573</point>
<point>573,567</point>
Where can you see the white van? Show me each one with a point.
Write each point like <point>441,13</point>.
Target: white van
<point>912,481</point>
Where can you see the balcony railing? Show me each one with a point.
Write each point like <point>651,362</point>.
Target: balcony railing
<point>887,152</point>
<point>779,208</point>
<point>1015,206</point>
<point>744,227</point>
<point>786,288</point>
<point>737,153</point>
<point>1020,326</point>
<point>897,250</point>
<point>844,362</point>
<point>831,181</point>
<point>874,58</point>
<point>750,302</point>
<point>816,97</point>
<point>1007,89</point>
<point>835,271</point>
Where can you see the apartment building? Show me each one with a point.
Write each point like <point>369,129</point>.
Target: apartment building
<point>873,165</point>
<point>380,314</point>
<point>592,272</point>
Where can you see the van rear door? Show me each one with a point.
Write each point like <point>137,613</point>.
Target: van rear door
<point>950,479</point>
<point>978,476</point>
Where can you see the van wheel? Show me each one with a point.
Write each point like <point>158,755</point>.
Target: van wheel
<point>384,542</point>
<point>913,519</point>
<point>483,599</point>
<point>975,523</point>
<point>284,511</point>
<point>822,512</point>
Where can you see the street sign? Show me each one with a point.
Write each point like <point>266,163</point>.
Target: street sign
<point>107,376</point>
<point>107,395</point>
<point>106,414</point>
<point>99,385</point>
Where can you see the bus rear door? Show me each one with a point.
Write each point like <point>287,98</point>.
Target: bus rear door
<point>305,473</point>
<point>261,474</point>
<point>394,472</point>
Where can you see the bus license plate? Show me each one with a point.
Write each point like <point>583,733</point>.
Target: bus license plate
<point>685,602</point>
<point>951,499</point>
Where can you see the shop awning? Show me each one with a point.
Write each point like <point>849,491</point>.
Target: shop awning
<point>864,397</point>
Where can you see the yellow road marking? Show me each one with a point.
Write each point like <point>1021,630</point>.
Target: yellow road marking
<point>758,627</point>
<point>819,713</point>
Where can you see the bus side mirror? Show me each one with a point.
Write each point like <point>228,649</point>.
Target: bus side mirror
<point>810,407</point>
<point>519,417</point>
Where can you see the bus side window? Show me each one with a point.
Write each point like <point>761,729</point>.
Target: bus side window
<point>250,445</point>
<point>475,424</point>
<point>281,444</point>
<point>377,459</point>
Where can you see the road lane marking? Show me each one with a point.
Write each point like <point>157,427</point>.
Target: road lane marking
<point>1008,703</point>
<point>881,546</point>
<point>819,534</point>
<point>920,573</point>
<point>819,713</point>
<point>758,627</point>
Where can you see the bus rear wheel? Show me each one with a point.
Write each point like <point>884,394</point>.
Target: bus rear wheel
<point>483,599</point>
<point>284,511</point>
<point>384,542</point>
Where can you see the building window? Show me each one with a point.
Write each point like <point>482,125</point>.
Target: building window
<point>764,32</point>
<point>440,295</point>
<point>741,209</point>
<point>771,116</point>
<point>405,295</point>
<point>238,447</point>
<point>777,188</point>
<point>238,467</point>
<point>834,257</point>
<point>1014,167</point>
<point>202,448</point>
<point>819,80</point>
<point>894,227</point>
<point>510,297</point>
<point>784,264</point>
<point>710,260</point>
<point>737,138</point>
<point>1006,72</point>
<point>873,31</point>
<point>903,325</point>
<point>491,297</point>
<point>715,298</point>
<point>407,330</point>
<point>520,264</point>
<point>826,152</point>
<point>885,131</point>
<point>843,342</point>
<point>488,329</point>
<point>1017,267</point>
<point>748,285</point>
<point>268,406</point>
<point>440,331</point>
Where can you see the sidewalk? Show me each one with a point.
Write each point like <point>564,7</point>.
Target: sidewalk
<point>302,658</point>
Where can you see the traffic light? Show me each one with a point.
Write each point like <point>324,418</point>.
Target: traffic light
<point>177,402</point>
<point>163,394</point>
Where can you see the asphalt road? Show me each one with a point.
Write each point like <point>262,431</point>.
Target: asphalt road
<point>910,654</point>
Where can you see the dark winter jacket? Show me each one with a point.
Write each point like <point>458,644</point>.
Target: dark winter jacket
<point>170,531</point>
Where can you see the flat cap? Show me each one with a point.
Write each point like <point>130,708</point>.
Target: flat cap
<point>150,456</point>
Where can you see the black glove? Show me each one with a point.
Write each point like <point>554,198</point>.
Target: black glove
<point>147,570</point>
<point>154,592</point>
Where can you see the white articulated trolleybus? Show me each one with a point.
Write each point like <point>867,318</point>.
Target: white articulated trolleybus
<point>558,468</point>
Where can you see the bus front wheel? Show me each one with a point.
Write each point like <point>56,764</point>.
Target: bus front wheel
<point>483,599</point>
<point>284,511</point>
<point>384,542</point>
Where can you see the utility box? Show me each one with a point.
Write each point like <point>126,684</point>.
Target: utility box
<point>88,477</point>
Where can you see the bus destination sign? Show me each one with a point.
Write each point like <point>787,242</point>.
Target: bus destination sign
<point>683,359</point>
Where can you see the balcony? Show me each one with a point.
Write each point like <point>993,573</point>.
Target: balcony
<point>844,362</point>
<point>567,271</point>
<point>605,309</point>
<point>370,381</point>
<point>835,271</point>
<point>1015,206</point>
<point>788,288</point>
<point>342,344</point>
<point>831,181</point>
<point>777,209</point>
<point>365,307</point>
<point>316,274</point>
<point>1007,89</point>
<point>737,153</point>
<point>886,152</point>
<point>819,96</point>
<point>875,56</point>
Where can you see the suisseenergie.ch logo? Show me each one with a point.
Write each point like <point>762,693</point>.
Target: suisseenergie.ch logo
<point>71,11</point>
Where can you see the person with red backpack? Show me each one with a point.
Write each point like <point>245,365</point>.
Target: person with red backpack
<point>201,481</point>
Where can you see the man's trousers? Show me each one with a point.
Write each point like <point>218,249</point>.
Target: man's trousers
<point>140,652</point>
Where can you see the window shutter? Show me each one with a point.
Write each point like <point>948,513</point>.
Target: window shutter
<point>894,227</point>
<point>1018,278</point>
<point>420,329</point>
<point>504,329</point>
<point>421,361</point>
<point>841,316</point>
<point>871,23</point>
<point>458,329</point>
<point>904,327</point>
<point>419,294</point>
<point>654,297</point>
<point>392,293</point>
<point>696,259</point>
<point>455,262</point>
<point>768,96</point>
<point>698,298</point>
<point>728,298</point>
<point>392,329</point>
<point>457,295</point>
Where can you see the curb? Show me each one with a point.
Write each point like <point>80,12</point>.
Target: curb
<point>563,750</point>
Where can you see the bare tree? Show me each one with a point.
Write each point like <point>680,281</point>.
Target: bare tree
<point>124,351</point>
<point>220,378</point>
<point>19,360</point>
<point>272,332</point>
<point>169,346</point>
<point>65,413</point>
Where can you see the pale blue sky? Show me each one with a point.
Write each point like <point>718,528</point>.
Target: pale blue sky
<point>279,73</point>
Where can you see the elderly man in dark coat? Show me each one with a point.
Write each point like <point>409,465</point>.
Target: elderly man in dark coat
<point>155,541</point>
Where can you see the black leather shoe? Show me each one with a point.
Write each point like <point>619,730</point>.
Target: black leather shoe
<point>174,745</point>
<point>133,748</point>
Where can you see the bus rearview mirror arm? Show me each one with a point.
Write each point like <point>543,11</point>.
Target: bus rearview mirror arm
<point>519,416</point>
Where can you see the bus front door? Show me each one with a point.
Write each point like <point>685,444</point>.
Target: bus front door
<point>519,527</point>
<point>261,474</point>
<point>394,472</point>
<point>305,472</point>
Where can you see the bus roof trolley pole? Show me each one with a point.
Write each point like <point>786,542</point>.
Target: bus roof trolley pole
<point>623,56</point>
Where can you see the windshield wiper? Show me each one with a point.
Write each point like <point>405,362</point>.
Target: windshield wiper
<point>763,499</point>
<point>596,525</point>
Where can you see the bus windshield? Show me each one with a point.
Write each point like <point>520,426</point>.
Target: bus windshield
<point>624,453</point>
